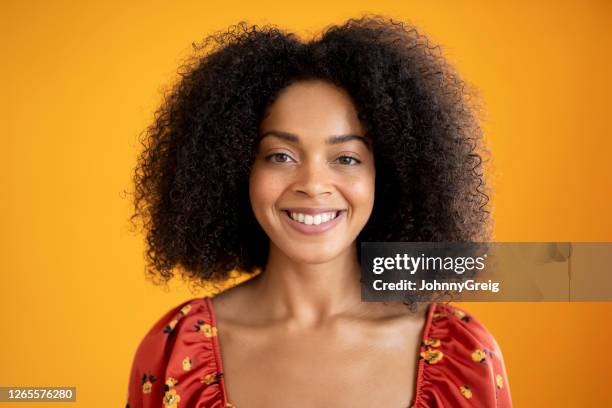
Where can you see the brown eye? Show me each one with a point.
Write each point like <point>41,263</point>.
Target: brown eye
<point>281,155</point>
<point>347,160</point>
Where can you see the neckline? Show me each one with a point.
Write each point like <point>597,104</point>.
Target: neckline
<point>419,367</point>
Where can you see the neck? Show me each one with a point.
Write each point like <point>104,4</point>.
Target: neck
<point>306,294</point>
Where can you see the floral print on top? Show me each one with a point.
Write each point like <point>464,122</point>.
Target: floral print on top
<point>178,362</point>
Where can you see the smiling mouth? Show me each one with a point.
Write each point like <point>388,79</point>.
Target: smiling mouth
<point>313,219</point>
<point>308,225</point>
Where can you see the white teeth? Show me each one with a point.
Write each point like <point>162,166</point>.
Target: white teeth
<point>310,219</point>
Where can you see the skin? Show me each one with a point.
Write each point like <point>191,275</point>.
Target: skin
<point>298,334</point>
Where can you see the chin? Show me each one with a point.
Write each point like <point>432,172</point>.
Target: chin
<point>314,260</point>
<point>309,254</point>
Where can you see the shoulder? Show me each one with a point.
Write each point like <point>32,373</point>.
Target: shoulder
<point>461,361</point>
<point>176,353</point>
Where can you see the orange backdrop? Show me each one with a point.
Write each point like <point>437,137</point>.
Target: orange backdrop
<point>82,79</point>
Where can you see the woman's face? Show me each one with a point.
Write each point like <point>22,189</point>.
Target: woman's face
<point>313,164</point>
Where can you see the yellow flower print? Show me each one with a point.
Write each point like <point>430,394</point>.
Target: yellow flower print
<point>171,382</point>
<point>460,314</point>
<point>499,380</point>
<point>207,329</point>
<point>185,309</point>
<point>147,383</point>
<point>170,326</point>
<point>146,387</point>
<point>432,342</point>
<point>478,356</point>
<point>171,399</point>
<point>208,379</point>
<point>187,364</point>
<point>432,356</point>
<point>438,316</point>
<point>465,391</point>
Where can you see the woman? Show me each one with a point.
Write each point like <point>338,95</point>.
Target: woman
<point>278,157</point>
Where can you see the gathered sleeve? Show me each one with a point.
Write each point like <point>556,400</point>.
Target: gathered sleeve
<point>461,364</point>
<point>175,364</point>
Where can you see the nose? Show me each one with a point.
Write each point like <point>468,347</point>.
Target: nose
<point>313,179</point>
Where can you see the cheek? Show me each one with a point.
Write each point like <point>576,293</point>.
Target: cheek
<point>264,189</point>
<point>361,193</point>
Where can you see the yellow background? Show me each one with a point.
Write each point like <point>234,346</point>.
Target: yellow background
<point>80,80</point>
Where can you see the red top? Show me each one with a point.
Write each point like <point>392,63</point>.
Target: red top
<point>178,363</point>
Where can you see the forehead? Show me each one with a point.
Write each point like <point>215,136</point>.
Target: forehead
<point>313,109</point>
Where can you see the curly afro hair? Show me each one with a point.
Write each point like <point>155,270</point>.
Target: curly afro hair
<point>191,180</point>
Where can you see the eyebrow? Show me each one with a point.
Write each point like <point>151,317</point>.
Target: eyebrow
<point>331,140</point>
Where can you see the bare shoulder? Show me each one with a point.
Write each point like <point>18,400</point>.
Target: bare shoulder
<point>391,312</point>
<point>230,304</point>
<point>386,320</point>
